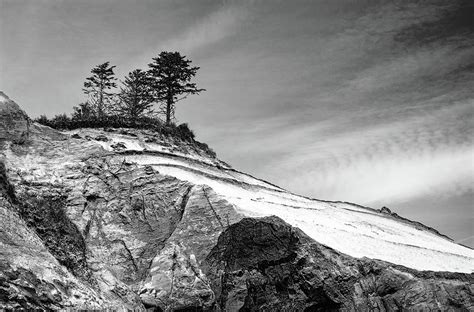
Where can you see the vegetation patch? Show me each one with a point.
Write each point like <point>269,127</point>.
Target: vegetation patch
<point>64,122</point>
<point>167,81</point>
<point>108,123</point>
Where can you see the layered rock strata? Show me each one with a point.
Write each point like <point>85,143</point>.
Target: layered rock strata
<point>128,219</point>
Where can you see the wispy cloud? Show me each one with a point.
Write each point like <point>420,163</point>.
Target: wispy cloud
<point>198,36</point>
<point>378,179</point>
<point>214,27</point>
<point>384,163</point>
<point>373,120</point>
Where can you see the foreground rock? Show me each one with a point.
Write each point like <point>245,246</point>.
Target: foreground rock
<point>128,219</point>
<point>267,265</point>
<point>31,277</point>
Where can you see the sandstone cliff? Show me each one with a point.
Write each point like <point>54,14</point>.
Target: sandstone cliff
<point>128,219</point>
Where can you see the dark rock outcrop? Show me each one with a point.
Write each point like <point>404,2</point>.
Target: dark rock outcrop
<point>267,265</point>
<point>30,275</point>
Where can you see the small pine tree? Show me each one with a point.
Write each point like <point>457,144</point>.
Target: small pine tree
<point>136,96</point>
<point>98,87</point>
<point>171,74</point>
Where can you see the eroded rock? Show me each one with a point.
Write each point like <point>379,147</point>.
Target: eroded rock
<point>176,279</point>
<point>267,265</point>
<point>31,277</point>
<point>14,122</point>
<point>89,224</point>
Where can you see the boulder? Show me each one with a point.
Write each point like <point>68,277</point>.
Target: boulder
<point>267,265</point>
<point>14,122</point>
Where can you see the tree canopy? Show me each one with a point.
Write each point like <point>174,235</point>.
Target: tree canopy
<point>98,87</point>
<point>167,81</point>
<point>171,75</point>
<point>136,97</point>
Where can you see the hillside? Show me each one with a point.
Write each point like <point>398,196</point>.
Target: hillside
<point>129,219</point>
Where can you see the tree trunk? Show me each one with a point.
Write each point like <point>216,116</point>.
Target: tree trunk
<point>101,103</point>
<point>169,102</point>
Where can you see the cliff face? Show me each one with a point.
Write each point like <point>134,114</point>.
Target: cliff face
<point>128,219</point>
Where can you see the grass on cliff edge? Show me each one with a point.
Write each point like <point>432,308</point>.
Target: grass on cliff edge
<point>181,132</point>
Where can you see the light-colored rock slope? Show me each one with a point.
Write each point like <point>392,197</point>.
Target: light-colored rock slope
<point>128,219</point>
<point>349,228</point>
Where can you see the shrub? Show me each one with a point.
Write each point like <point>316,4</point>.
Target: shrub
<point>206,148</point>
<point>63,122</point>
<point>43,120</point>
<point>182,131</point>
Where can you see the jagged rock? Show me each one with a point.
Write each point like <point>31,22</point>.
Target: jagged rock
<point>119,146</point>
<point>267,265</point>
<point>125,132</point>
<point>150,140</point>
<point>102,138</point>
<point>176,278</point>
<point>30,276</point>
<point>14,122</point>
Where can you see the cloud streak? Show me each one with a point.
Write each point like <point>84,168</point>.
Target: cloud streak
<point>216,26</point>
<point>387,163</point>
<point>378,118</point>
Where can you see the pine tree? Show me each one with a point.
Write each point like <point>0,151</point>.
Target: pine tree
<point>171,74</point>
<point>136,96</point>
<point>98,87</point>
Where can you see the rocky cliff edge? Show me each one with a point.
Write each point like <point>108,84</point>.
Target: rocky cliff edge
<point>126,219</point>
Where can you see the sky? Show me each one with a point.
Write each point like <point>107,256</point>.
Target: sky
<point>369,102</point>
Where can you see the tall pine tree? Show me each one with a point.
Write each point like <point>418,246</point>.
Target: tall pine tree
<point>136,96</point>
<point>98,87</point>
<point>171,75</point>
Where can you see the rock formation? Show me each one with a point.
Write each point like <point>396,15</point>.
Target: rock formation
<point>14,123</point>
<point>129,219</point>
<point>267,265</point>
